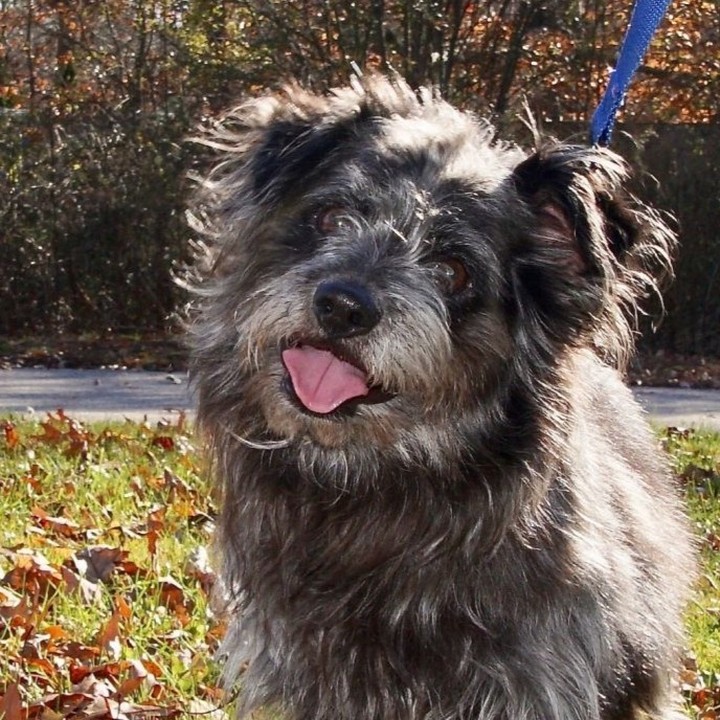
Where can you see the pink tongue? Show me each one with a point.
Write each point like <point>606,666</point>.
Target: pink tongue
<point>322,381</point>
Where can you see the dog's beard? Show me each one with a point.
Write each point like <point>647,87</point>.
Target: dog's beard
<point>291,384</point>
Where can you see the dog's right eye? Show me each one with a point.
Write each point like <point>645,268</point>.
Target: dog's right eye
<point>332,219</point>
<point>451,275</point>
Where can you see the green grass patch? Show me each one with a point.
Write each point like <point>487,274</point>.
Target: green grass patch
<point>105,583</point>
<point>695,457</point>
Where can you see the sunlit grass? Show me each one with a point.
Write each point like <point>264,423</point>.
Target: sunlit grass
<point>696,461</point>
<point>131,498</point>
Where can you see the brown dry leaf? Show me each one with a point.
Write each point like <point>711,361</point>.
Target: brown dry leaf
<point>129,686</point>
<point>11,707</point>
<point>155,525</point>
<point>172,594</point>
<point>689,678</point>
<point>60,526</point>
<point>102,708</point>
<point>140,675</point>
<point>215,635</point>
<point>12,438</point>
<point>14,609</point>
<point>198,567</point>
<point>62,704</point>
<point>96,564</point>
<point>51,433</point>
<point>94,686</point>
<point>109,637</point>
<point>32,574</point>
<point>128,567</point>
<point>173,597</point>
<point>89,592</point>
<point>177,485</point>
<point>41,665</point>
<point>78,651</point>
<point>79,673</point>
<point>205,709</point>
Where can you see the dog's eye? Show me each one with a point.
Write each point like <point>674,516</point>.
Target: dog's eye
<point>451,275</point>
<point>331,219</point>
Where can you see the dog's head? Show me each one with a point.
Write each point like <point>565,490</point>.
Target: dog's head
<point>379,268</point>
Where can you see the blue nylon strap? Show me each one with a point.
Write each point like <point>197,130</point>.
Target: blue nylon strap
<point>645,18</point>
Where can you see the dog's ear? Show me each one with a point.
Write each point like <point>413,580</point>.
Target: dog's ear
<point>590,250</point>
<point>274,145</point>
<point>576,195</point>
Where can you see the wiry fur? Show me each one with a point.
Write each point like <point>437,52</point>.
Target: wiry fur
<point>498,540</point>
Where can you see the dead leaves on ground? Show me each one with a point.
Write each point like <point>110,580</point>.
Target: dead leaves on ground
<point>104,610</point>
<point>101,617</point>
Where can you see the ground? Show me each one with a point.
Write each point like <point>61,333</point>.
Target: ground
<point>169,353</point>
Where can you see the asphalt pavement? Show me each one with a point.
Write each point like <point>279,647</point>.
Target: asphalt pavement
<point>137,395</point>
<point>95,394</point>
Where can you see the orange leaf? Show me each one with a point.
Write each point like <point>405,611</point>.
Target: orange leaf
<point>130,685</point>
<point>109,637</point>
<point>11,435</point>
<point>41,664</point>
<point>123,608</point>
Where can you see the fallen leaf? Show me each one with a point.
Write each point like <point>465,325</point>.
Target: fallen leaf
<point>32,573</point>
<point>11,707</point>
<point>109,637</point>
<point>64,704</point>
<point>79,651</point>
<point>163,441</point>
<point>88,591</point>
<point>12,439</point>
<point>96,564</point>
<point>198,567</point>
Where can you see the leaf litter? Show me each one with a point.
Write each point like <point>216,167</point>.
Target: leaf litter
<point>105,581</point>
<point>105,576</point>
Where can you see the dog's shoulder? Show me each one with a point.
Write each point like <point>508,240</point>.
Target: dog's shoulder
<point>605,410</point>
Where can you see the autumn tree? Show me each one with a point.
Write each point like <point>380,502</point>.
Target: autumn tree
<point>96,99</point>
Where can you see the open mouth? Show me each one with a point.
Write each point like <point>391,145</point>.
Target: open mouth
<point>322,381</point>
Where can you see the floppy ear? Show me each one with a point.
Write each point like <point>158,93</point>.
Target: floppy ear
<point>271,147</point>
<point>577,197</point>
<point>590,250</point>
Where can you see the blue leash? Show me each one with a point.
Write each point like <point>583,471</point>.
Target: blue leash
<point>645,18</point>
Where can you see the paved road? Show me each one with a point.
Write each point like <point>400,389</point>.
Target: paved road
<point>95,394</point>
<point>104,394</point>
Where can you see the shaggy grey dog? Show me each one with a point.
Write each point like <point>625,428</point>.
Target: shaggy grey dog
<point>438,499</point>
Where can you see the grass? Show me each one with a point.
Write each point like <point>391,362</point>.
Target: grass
<point>695,457</point>
<point>126,502</point>
<point>104,596</point>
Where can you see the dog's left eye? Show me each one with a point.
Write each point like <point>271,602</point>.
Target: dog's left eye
<point>331,219</point>
<point>451,275</point>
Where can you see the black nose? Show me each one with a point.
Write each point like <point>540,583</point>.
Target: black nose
<point>345,309</point>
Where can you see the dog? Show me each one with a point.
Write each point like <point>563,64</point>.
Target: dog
<point>438,499</point>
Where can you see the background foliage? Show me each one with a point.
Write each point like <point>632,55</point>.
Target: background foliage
<point>96,98</point>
